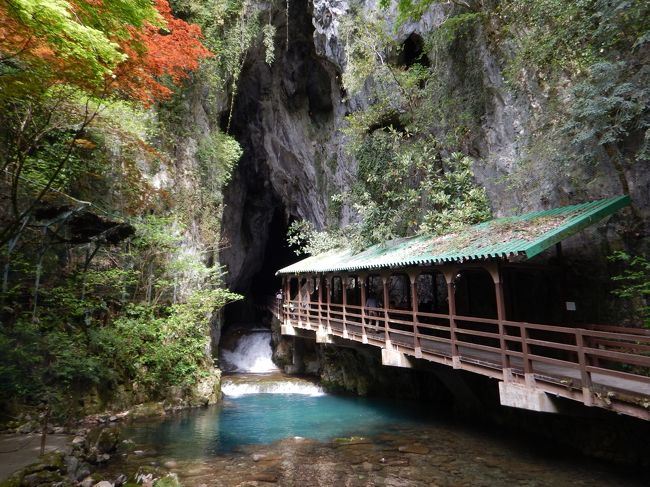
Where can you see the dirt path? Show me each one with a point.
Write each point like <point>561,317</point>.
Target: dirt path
<point>18,451</point>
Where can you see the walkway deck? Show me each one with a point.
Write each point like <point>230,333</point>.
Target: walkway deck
<point>602,366</point>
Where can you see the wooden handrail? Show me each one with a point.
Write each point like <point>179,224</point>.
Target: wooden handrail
<point>580,348</point>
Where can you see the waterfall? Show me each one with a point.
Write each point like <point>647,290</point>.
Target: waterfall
<point>252,353</point>
<point>234,388</point>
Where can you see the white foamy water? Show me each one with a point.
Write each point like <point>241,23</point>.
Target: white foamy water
<point>234,389</point>
<point>252,354</point>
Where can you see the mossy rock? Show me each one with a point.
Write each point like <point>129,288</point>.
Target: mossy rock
<point>43,477</point>
<point>148,409</point>
<point>15,480</point>
<point>168,481</point>
<point>108,440</point>
<point>50,461</point>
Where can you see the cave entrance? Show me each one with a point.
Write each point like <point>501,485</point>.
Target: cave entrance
<point>277,255</point>
<point>264,284</point>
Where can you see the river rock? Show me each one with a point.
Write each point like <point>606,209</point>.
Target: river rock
<point>170,464</point>
<point>268,476</point>
<point>42,478</point>
<point>82,472</point>
<point>28,427</point>
<point>120,480</point>
<point>104,483</point>
<point>107,440</point>
<point>71,464</point>
<point>414,448</point>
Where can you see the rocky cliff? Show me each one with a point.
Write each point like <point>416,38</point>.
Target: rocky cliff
<point>289,118</point>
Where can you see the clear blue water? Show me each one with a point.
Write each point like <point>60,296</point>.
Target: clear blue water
<point>265,418</point>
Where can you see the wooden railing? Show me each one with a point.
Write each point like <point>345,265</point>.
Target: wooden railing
<point>604,366</point>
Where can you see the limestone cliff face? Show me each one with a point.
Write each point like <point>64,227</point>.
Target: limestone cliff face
<point>288,117</point>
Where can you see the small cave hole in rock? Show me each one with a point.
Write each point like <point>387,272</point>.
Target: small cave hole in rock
<point>412,52</point>
<point>388,120</point>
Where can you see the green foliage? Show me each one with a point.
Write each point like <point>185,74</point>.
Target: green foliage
<point>75,42</point>
<point>587,58</point>
<point>113,326</point>
<point>634,282</point>
<point>218,154</point>
<point>305,239</point>
<point>609,104</point>
<point>268,33</point>
<point>407,186</point>
<point>412,176</point>
<point>132,316</point>
<point>568,36</point>
<point>168,348</point>
<point>230,29</point>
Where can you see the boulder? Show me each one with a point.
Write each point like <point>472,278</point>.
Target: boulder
<point>28,427</point>
<point>121,480</point>
<point>107,440</point>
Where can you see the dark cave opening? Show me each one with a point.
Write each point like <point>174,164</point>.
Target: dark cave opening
<point>261,199</point>
<point>413,52</point>
<point>264,284</point>
<point>277,255</point>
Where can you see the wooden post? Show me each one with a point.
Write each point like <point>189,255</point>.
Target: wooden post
<point>529,373</point>
<point>287,300</point>
<point>384,280</point>
<point>495,272</point>
<point>450,274</point>
<point>585,375</point>
<point>299,303</point>
<point>307,304</point>
<point>320,301</point>
<point>414,307</point>
<point>344,291</point>
<point>362,280</point>
<point>328,286</point>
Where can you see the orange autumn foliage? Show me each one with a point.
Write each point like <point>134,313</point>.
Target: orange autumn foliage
<point>160,54</point>
<point>156,53</point>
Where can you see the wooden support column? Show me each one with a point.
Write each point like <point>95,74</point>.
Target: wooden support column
<point>299,303</point>
<point>287,298</point>
<point>413,276</point>
<point>450,274</point>
<point>344,291</point>
<point>278,302</point>
<point>388,345</point>
<point>362,281</point>
<point>320,301</point>
<point>328,289</point>
<point>495,272</point>
<point>585,375</point>
<point>529,374</point>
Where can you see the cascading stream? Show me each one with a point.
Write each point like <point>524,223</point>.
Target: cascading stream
<point>255,373</point>
<point>252,354</point>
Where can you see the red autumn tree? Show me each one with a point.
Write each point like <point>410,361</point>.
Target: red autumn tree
<point>136,48</point>
<point>158,54</point>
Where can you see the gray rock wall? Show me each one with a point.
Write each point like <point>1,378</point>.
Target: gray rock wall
<point>288,117</point>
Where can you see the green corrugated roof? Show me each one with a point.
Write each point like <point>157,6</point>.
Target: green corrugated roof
<point>523,235</point>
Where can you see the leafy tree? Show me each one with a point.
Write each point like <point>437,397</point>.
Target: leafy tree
<point>634,282</point>
<point>60,61</point>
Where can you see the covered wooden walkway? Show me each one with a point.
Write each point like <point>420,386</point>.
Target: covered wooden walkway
<point>442,311</point>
